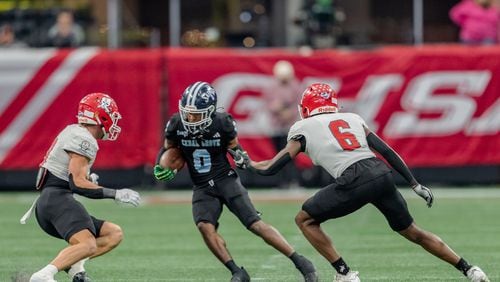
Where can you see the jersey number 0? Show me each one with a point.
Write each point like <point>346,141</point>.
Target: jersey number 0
<point>347,140</point>
<point>202,160</point>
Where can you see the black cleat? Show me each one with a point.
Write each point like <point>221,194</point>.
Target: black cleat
<point>240,276</point>
<point>307,269</point>
<point>81,277</point>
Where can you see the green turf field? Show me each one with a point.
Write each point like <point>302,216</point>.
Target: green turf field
<point>162,244</point>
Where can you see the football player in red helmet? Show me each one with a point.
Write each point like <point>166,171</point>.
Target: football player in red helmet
<point>65,170</point>
<point>100,109</point>
<point>318,98</point>
<point>343,145</point>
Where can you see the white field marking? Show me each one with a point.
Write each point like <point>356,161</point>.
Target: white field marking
<point>299,196</point>
<point>44,98</point>
<point>184,196</point>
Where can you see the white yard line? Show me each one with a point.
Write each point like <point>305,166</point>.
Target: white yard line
<point>278,195</point>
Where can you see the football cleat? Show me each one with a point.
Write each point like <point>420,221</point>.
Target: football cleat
<point>240,276</point>
<point>351,276</point>
<point>40,277</point>
<point>311,277</point>
<point>307,269</point>
<point>475,274</point>
<point>81,277</point>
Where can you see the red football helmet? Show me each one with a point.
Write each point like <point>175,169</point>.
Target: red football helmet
<point>318,98</point>
<point>100,109</point>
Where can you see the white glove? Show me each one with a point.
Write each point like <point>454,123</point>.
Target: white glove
<point>128,196</point>
<point>241,158</point>
<point>425,193</point>
<point>94,177</point>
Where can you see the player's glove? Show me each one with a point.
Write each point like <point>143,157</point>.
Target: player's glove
<point>241,158</point>
<point>163,174</point>
<point>128,196</point>
<point>94,178</point>
<point>425,193</point>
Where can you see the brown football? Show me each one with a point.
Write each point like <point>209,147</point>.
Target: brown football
<point>172,159</point>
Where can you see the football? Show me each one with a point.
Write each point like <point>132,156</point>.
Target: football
<point>172,159</point>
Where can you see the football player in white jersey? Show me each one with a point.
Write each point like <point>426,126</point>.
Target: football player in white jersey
<point>342,144</point>
<point>64,171</point>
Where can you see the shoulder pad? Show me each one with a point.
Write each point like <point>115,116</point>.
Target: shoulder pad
<point>173,123</point>
<point>81,144</point>
<point>227,122</point>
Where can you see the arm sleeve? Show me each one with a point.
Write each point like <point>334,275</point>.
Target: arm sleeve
<point>277,166</point>
<point>391,156</point>
<point>99,193</point>
<point>281,162</point>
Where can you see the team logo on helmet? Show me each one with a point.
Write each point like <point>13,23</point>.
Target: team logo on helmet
<point>105,104</point>
<point>207,96</point>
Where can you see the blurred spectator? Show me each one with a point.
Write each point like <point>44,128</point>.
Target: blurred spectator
<point>478,21</point>
<point>321,20</point>
<point>281,98</point>
<point>8,38</point>
<point>66,33</point>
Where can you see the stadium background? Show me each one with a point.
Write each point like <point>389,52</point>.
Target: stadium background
<point>434,100</point>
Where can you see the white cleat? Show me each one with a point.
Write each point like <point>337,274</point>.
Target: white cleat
<point>475,274</point>
<point>38,277</point>
<point>351,276</point>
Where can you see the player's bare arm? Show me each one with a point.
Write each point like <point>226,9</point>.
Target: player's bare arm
<point>160,172</point>
<point>167,144</point>
<point>377,144</point>
<point>80,184</point>
<point>78,168</point>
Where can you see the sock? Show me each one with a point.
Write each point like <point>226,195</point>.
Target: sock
<point>232,266</point>
<point>341,266</point>
<point>301,263</point>
<point>49,270</point>
<point>295,258</point>
<point>77,267</point>
<point>463,266</point>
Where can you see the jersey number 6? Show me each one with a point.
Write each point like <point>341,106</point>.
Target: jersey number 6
<point>346,139</point>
